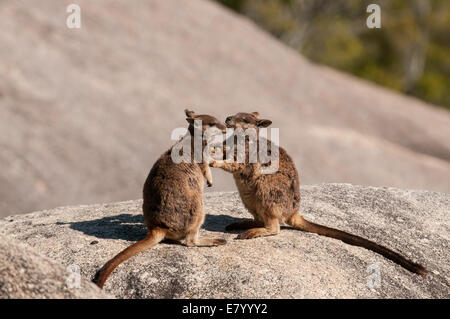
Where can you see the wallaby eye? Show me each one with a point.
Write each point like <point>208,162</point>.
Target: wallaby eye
<point>246,121</point>
<point>212,124</point>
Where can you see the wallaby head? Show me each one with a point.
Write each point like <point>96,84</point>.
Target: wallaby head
<point>242,123</point>
<point>246,120</point>
<point>207,122</point>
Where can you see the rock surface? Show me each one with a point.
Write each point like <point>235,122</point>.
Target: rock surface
<point>26,274</point>
<point>292,264</point>
<point>86,112</point>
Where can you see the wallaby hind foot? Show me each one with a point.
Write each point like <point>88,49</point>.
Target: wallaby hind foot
<point>204,242</point>
<point>272,227</point>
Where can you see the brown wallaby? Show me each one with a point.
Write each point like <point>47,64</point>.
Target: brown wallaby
<point>172,200</point>
<point>275,198</point>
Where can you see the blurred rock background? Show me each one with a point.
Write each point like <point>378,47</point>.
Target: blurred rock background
<point>85,112</point>
<point>409,53</point>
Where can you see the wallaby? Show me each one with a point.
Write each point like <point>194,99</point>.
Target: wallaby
<point>275,198</point>
<point>172,200</point>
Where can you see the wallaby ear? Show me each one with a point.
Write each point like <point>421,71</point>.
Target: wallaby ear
<point>190,120</point>
<point>263,123</point>
<point>255,114</point>
<point>189,113</point>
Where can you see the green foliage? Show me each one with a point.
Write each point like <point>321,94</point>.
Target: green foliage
<point>409,53</point>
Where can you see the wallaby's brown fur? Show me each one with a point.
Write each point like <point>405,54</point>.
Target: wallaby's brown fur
<point>172,202</point>
<point>275,198</point>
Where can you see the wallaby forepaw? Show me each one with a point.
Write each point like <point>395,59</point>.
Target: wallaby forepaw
<point>215,164</point>
<point>210,184</point>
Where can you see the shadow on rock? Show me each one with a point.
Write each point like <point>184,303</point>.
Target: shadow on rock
<point>217,223</point>
<point>132,228</point>
<point>124,226</point>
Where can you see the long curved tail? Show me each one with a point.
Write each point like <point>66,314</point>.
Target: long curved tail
<point>298,222</point>
<point>153,237</point>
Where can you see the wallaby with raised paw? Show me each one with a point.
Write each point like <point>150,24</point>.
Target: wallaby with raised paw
<point>275,198</point>
<point>173,199</point>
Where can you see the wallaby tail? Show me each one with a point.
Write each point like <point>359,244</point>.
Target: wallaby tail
<point>298,222</point>
<point>153,237</point>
